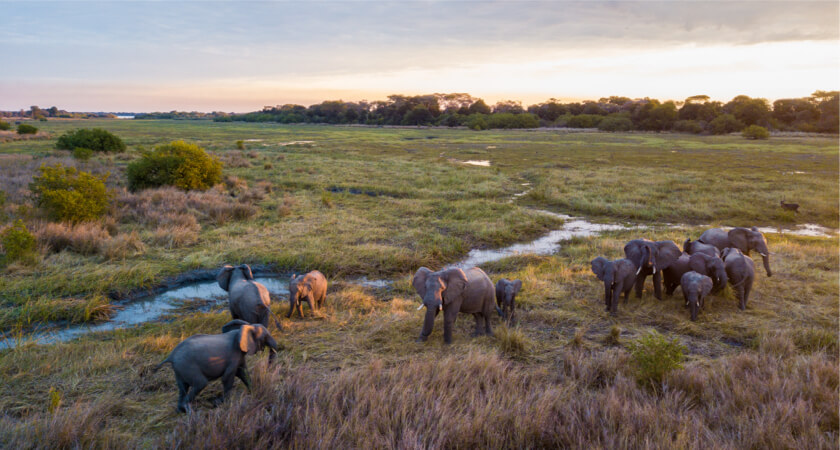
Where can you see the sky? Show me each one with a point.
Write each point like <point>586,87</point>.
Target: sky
<point>224,56</point>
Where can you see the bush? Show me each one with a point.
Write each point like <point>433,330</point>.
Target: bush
<point>476,122</point>
<point>96,139</point>
<point>82,154</point>
<point>185,166</point>
<point>18,243</point>
<point>510,120</point>
<point>725,124</point>
<point>240,145</point>
<point>26,129</point>
<point>615,124</point>
<point>755,132</point>
<point>584,121</point>
<point>655,356</point>
<point>688,126</point>
<point>5,125</point>
<point>68,194</point>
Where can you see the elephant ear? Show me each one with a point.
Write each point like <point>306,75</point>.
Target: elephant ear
<point>706,286</point>
<point>668,253</point>
<point>233,325</point>
<point>246,271</point>
<point>517,285</point>
<point>599,267</point>
<point>223,277</point>
<point>500,290</point>
<point>456,283</point>
<point>246,340</point>
<point>738,238</point>
<point>419,280</point>
<point>697,262</point>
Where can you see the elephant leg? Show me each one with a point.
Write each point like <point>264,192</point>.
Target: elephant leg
<point>488,312</point>
<point>614,301</point>
<point>657,285</point>
<point>242,374</point>
<point>183,388</point>
<point>448,322</point>
<point>196,388</point>
<point>640,284</point>
<point>291,310</point>
<point>300,308</point>
<point>627,294</point>
<point>742,302</point>
<point>747,289</point>
<point>479,326</point>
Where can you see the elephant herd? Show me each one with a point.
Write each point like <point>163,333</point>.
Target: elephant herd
<point>701,268</point>
<point>203,358</point>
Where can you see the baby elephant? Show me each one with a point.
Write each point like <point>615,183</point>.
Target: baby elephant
<point>741,272</point>
<point>618,276</point>
<point>202,358</point>
<point>695,288</point>
<point>310,288</point>
<point>506,291</point>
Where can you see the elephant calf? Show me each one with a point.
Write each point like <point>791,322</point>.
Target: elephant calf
<point>310,288</point>
<point>203,358</point>
<point>741,272</point>
<point>452,291</point>
<point>506,291</point>
<point>618,276</point>
<point>695,288</point>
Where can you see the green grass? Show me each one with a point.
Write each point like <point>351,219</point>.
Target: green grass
<point>353,376</point>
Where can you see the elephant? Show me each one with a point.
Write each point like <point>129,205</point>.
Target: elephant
<point>310,288</point>
<point>506,291</point>
<point>247,299</point>
<point>695,288</point>
<point>711,266</point>
<point>699,247</point>
<point>744,239</point>
<point>741,272</point>
<point>673,274</point>
<point>452,291</point>
<point>618,277</point>
<point>202,358</point>
<point>651,258</point>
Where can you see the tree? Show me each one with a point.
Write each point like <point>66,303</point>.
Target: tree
<point>479,107</point>
<point>755,132</point>
<point>725,124</point>
<point>750,111</point>
<point>508,106</point>
<point>96,139</point>
<point>419,115</point>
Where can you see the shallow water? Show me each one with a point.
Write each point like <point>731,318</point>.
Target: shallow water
<point>477,162</point>
<point>807,229</point>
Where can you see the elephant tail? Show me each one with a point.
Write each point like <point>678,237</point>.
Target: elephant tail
<point>276,320</point>
<point>157,367</point>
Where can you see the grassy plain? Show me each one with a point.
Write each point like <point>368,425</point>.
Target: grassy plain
<point>354,377</point>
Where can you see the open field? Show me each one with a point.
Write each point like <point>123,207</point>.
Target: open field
<point>380,202</point>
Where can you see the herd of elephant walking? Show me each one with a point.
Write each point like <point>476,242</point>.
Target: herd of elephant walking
<point>705,266</point>
<point>701,268</point>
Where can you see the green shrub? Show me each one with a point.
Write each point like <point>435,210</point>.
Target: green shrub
<point>510,120</point>
<point>655,356</point>
<point>185,166</point>
<point>240,145</point>
<point>476,122</point>
<point>5,125</point>
<point>68,194</point>
<point>755,132</point>
<point>96,139</point>
<point>615,124</point>
<point>18,243</point>
<point>584,121</point>
<point>725,124</point>
<point>82,154</point>
<point>688,126</point>
<point>26,129</point>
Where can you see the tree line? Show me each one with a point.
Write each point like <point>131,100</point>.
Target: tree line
<point>696,114</point>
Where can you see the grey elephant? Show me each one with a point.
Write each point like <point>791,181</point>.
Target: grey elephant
<point>741,271</point>
<point>506,291</point>
<point>248,300</point>
<point>203,358</point>
<point>618,277</point>
<point>712,266</point>
<point>651,258</point>
<point>744,239</point>
<point>673,274</point>
<point>452,291</point>
<point>699,247</point>
<point>310,288</point>
<point>695,287</point>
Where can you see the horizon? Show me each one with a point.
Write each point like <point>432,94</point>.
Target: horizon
<point>201,56</point>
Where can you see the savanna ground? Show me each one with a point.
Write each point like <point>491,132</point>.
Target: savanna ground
<point>353,376</point>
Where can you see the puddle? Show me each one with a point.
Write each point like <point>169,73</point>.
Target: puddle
<point>477,162</point>
<point>149,309</point>
<point>376,284</point>
<point>254,140</point>
<point>296,143</point>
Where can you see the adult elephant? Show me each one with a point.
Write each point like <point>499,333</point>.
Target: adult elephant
<point>651,258</point>
<point>672,276</point>
<point>699,247</point>
<point>618,277</point>
<point>711,266</point>
<point>741,272</point>
<point>744,239</point>
<point>248,300</point>
<point>452,291</point>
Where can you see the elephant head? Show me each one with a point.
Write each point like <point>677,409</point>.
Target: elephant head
<point>506,291</point>
<point>652,255</point>
<point>253,338</point>
<point>710,266</point>
<point>604,269</point>
<point>437,289</point>
<point>227,272</point>
<point>300,288</point>
<point>746,239</point>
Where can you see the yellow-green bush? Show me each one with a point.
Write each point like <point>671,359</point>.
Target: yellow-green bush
<point>18,243</point>
<point>185,166</point>
<point>69,194</point>
<point>655,355</point>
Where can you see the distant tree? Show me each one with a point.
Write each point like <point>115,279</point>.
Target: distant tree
<point>795,111</point>
<point>688,126</point>
<point>548,111</point>
<point>479,107</point>
<point>655,116</point>
<point>755,132</point>
<point>750,111</point>
<point>725,124</point>
<point>614,100</point>
<point>827,104</point>
<point>508,106</point>
<point>615,122</point>
<point>696,99</point>
<point>593,108</point>
<point>693,109</point>
<point>53,111</point>
<point>419,115</point>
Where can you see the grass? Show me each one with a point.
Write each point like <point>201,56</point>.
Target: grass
<point>352,376</point>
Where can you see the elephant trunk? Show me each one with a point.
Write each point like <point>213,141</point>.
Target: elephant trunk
<point>766,259</point>
<point>694,307</point>
<point>501,313</point>
<point>429,321</point>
